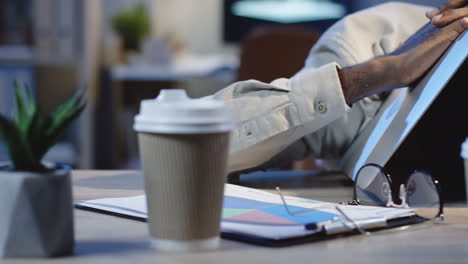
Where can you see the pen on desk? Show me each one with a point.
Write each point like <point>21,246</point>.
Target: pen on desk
<point>313,226</point>
<point>319,225</point>
<point>316,226</point>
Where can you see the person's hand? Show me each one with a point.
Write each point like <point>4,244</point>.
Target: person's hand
<point>452,11</point>
<point>445,14</point>
<point>402,67</point>
<point>417,55</point>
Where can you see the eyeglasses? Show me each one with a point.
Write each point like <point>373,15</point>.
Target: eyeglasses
<point>372,186</point>
<point>421,192</point>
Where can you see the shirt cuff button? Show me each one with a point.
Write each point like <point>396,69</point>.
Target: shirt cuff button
<point>320,107</point>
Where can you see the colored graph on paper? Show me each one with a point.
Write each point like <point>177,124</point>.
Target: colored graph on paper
<point>253,211</point>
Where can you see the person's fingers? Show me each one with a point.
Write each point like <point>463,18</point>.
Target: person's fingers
<point>464,22</point>
<point>453,30</point>
<point>449,16</point>
<point>432,12</point>
<point>452,4</point>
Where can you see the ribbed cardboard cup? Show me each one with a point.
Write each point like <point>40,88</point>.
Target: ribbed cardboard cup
<point>184,184</point>
<point>185,169</point>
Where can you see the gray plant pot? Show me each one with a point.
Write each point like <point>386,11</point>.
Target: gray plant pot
<point>36,214</point>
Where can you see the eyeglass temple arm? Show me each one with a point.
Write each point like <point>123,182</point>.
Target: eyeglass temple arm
<point>284,201</point>
<point>403,196</point>
<point>389,199</point>
<point>348,219</point>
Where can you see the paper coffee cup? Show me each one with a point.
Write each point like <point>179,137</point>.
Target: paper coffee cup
<point>184,146</point>
<point>464,156</point>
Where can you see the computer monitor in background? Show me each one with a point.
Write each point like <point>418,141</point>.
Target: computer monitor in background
<point>241,16</point>
<point>422,128</point>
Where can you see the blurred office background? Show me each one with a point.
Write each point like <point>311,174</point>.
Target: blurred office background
<point>58,46</point>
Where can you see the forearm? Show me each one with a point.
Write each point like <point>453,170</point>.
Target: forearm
<point>270,117</point>
<point>404,66</point>
<point>375,76</point>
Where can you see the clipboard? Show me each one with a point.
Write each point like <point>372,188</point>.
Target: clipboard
<point>259,217</point>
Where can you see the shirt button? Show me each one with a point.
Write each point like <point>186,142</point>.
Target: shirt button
<point>320,107</point>
<point>247,131</point>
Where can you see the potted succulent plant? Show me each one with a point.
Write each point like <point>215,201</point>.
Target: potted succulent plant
<point>36,217</point>
<point>132,25</point>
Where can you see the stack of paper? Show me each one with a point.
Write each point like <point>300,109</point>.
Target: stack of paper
<point>259,216</point>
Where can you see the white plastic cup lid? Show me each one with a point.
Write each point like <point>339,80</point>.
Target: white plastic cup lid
<point>174,112</point>
<point>464,149</point>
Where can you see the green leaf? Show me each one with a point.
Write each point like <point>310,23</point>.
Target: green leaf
<point>54,135</point>
<point>37,135</point>
<point>18,147</point>
<point>56,124</point>
<point>21,104</point>
<point>65,110</point>
<point>25,108</point>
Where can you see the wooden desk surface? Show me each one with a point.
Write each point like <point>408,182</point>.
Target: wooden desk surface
<point>106,239</point>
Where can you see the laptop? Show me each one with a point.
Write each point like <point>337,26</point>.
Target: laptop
<point>422,127</point>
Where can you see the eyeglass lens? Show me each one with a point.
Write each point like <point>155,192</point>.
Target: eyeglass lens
<point>372,186</point>
<point>422,195</point>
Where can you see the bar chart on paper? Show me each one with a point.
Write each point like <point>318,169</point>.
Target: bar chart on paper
<point>254,211</point>
<point>240,205</point>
